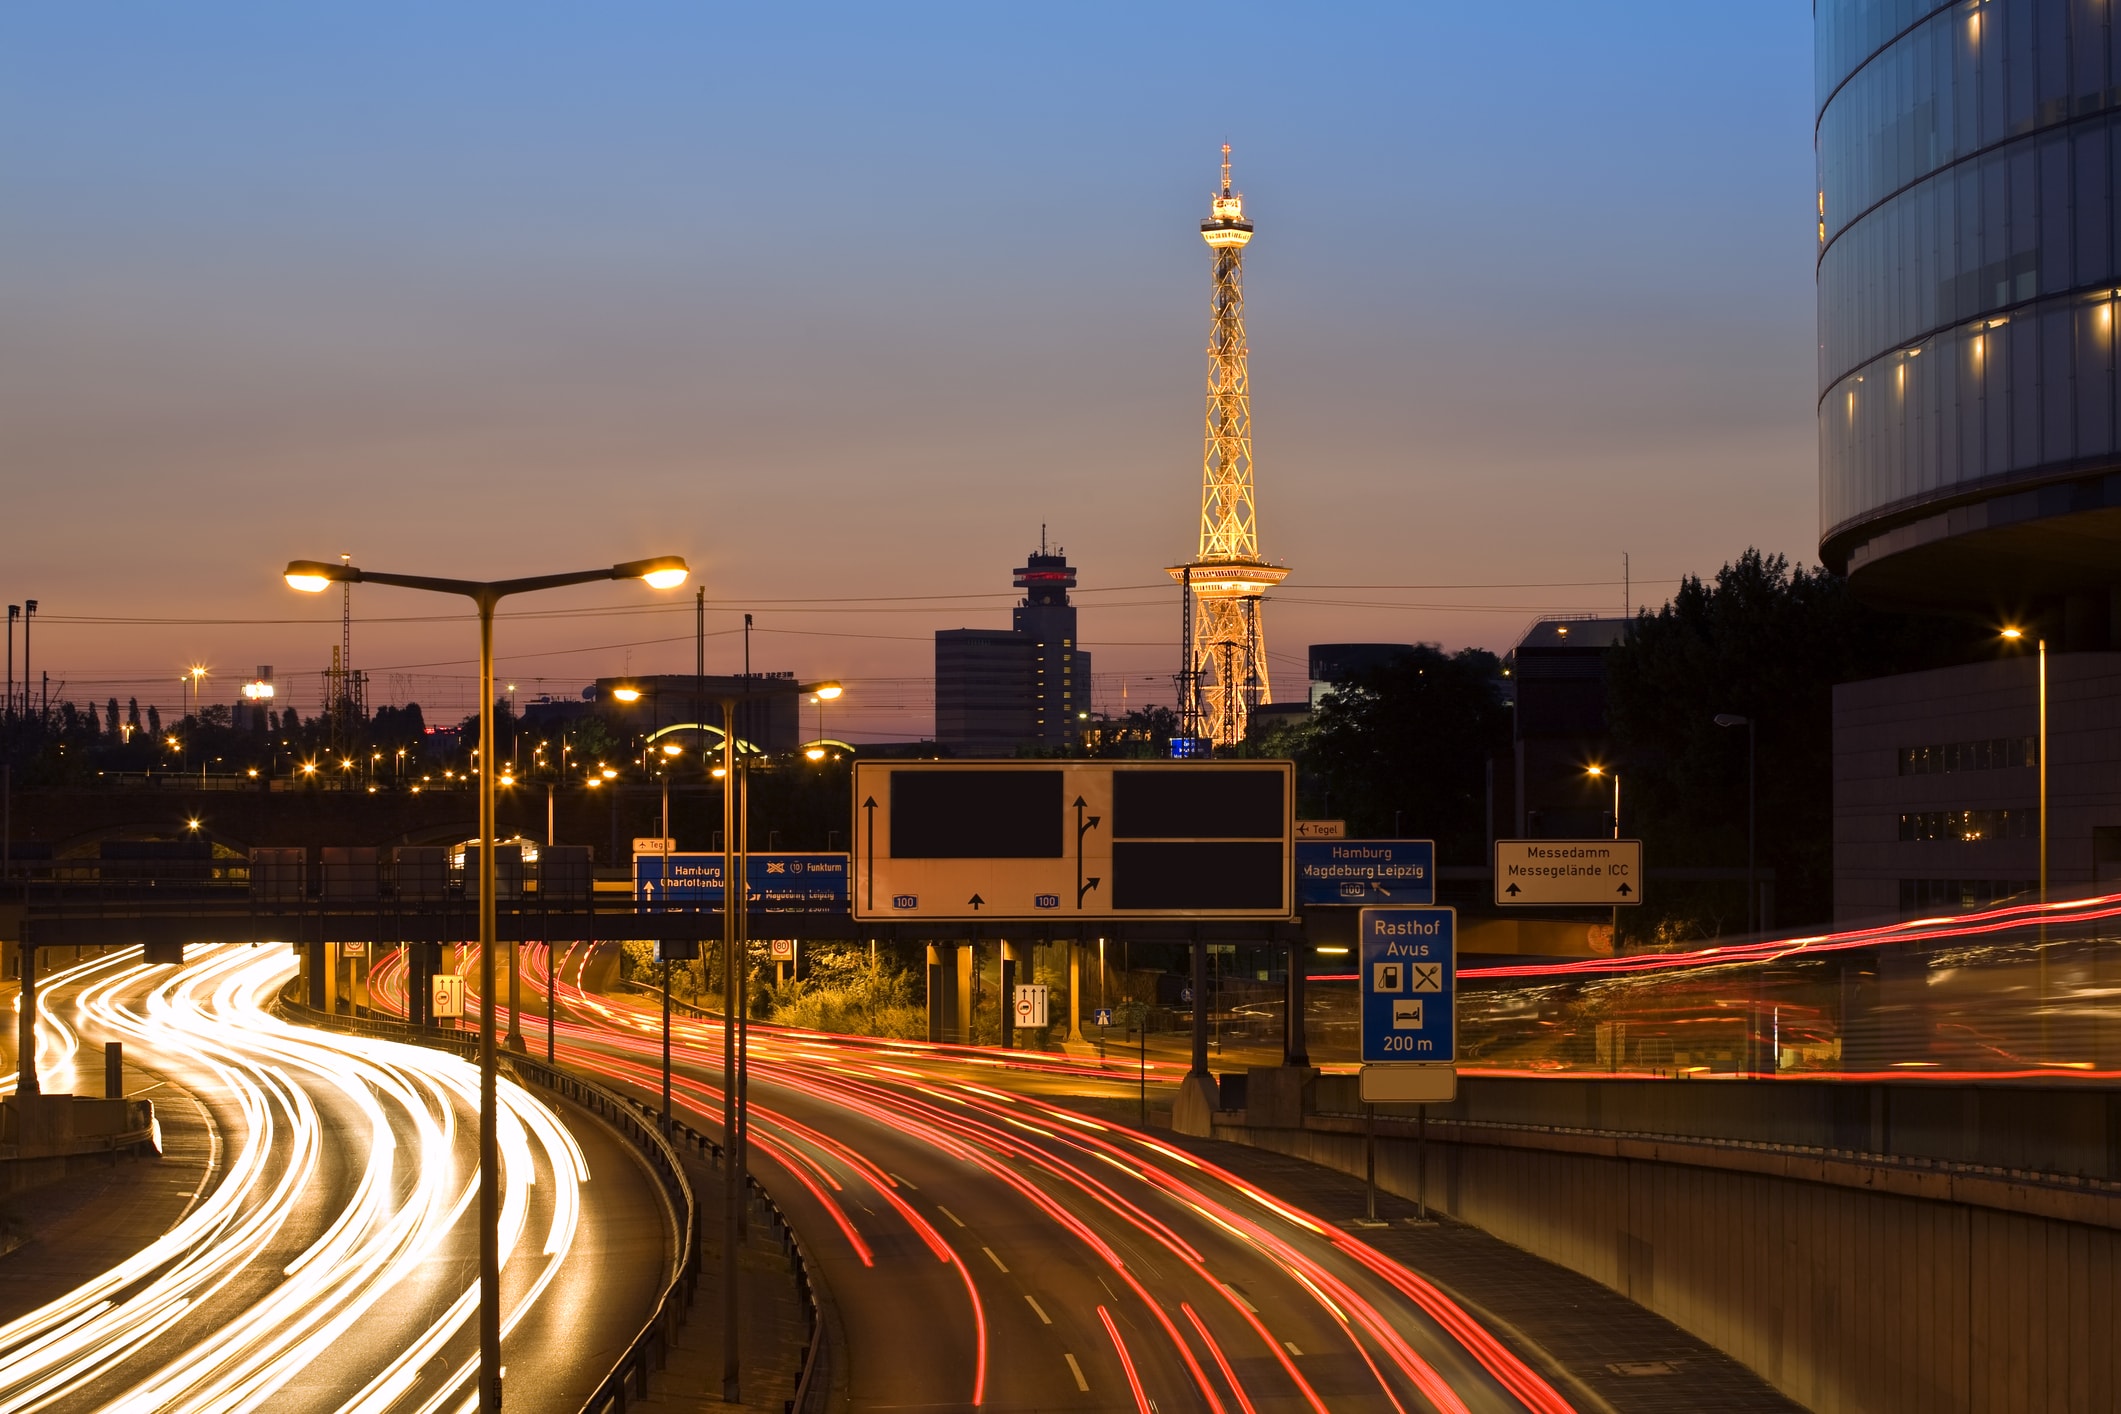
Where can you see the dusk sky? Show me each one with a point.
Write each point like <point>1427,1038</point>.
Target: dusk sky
<point>843,302</point>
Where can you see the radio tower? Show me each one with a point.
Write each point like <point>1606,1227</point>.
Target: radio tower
<point>1224,672</point>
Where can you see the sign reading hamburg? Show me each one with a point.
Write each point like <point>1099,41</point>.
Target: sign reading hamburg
<point>777,881</point>
<point>1355,873</point>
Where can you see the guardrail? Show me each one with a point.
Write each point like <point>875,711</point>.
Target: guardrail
<point>640,1124</point>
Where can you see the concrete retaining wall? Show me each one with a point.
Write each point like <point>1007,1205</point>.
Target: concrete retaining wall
<point>1853,1282</point>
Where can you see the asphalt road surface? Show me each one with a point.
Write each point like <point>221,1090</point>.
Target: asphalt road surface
<point>989,1248</point>
<point>329,1261</point>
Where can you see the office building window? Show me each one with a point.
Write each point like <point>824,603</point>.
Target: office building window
<point>1969,826</point>
<point>1992,754</point>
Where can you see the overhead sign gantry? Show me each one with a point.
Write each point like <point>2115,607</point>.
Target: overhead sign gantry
<point>1063,840</point>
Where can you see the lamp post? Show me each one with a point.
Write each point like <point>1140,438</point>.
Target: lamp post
<point>736,903</point>
<point>314,577</point>
<point>1599,773</point>
<point>2015,635</point>
<point>191,681</point>
<point>1752,816</point>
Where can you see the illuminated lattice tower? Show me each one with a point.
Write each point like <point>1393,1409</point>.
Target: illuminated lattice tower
<point>1223,674</point>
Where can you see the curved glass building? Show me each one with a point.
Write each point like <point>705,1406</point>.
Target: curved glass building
<point>1969,272</point>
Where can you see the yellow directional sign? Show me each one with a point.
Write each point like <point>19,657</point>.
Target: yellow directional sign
<point>1574,873</point>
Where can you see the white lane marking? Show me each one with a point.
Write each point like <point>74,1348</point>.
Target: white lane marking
<point>1038,1308</point>
<point>994,1259</point>
<point>1077,1371</point>
<point>1291,1346</point>
<point>950,1215</point>
<point>1243,1300</point>
<point>907,1181</point>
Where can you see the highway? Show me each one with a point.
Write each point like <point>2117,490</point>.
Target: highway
<point>988,1247</point>
<point>330,1261</point>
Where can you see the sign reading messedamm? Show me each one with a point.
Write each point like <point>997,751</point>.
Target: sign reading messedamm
<point>1568,872</point>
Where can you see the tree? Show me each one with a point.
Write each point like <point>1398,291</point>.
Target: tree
<point>154,720</point>
<point>1406,744</point>
<point>1768,642</point>
<point>110,716</point>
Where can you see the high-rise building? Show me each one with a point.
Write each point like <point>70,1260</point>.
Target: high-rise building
<point>1969,452</point>
<point>1223,661</point>
<point>1027,686</point>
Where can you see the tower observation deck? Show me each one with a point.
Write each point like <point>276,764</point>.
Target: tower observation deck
<point>1223,668</point>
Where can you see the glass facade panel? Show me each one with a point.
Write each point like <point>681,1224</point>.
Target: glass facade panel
<point>1968,158</point>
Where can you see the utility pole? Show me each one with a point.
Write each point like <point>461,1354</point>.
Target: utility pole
<point>29,611</point>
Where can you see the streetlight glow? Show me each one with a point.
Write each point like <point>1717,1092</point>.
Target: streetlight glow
<point>312,576</point>
<point>829,691</point>
<point>627,694</point>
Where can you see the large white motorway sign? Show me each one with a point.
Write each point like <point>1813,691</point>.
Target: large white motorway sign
<point>1064,840</point>
<point>1568,872</point>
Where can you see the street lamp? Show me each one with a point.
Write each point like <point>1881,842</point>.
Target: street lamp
<point>1752,815</point>
<point>1597,772</point>
<point>1600,773</point>
<point>2014,635</point>
<point>314,577</point>
<point>736,905</point>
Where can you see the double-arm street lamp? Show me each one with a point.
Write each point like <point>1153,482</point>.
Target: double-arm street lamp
<point>314,577</point>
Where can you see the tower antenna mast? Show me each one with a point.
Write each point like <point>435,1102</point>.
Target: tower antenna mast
<point>1224,676</point>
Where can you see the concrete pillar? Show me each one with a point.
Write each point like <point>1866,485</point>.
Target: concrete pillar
<point>1072,1017</point>
<point>1008,993</point>
<point>1193,1108</point>
<point>331,976</point>
<point>936,990</point>
<point>1200,1006</point>
<point>1294,1049</point>
<point>967,960</point>
<point>26,1025</point>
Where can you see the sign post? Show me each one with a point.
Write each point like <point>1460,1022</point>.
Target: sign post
<point>1409,1005</point>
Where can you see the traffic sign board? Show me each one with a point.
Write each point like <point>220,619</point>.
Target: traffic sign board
<point>654,844</point>
<point>448,996</point>
<point>1355,873</point>
<point>1075,839</point>
<point>1409,1003</point>
<point>1409,957</point>
<point>1568,872</point>
<point>1321,829</point>
<point>1102,1016</point>
<point>779,882</point>
<point>1031,999</point>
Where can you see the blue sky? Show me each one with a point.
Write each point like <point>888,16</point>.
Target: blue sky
<point>843,302</point>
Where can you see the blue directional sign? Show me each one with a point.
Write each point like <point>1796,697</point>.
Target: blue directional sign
<point>1103,1016</point>
<point>1364,873</point>
<point>1409,969</point>
<point>778,882</point>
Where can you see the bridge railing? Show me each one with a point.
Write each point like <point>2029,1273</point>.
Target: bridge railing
<point>649,1350</point>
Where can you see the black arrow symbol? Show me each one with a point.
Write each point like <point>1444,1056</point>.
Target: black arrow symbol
<point>1511,891</point>
<point>869,809</point>
<point>1083,827</point>
<point>975,901</point>
<point>1624,889</point>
